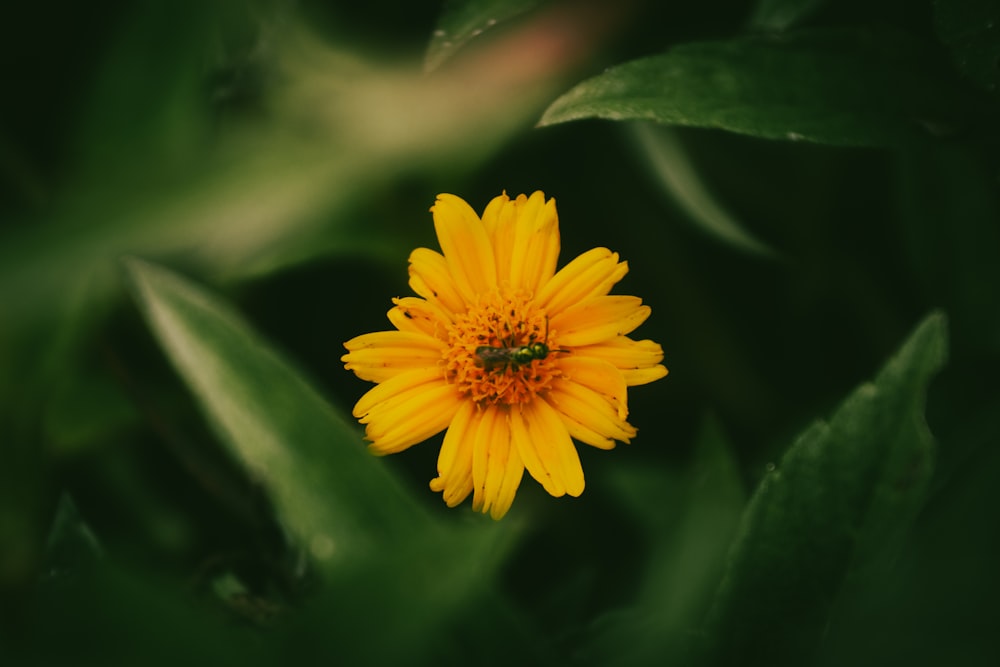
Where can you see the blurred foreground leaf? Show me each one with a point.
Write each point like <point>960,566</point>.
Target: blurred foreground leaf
<point>834,86</point>
<point>334,496</point>
<point>463,20</point>
<point>843,493</point>
<point>971,28</point>
<point>775,15</point>
<point>949,205</point>
<point>392,571</point>
<point>112,616</point>
<point>681,181</point>
<point>690,515</point>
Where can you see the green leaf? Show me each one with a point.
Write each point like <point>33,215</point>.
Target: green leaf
<point>971,28</point>
<point>690,515</point>
<point>843,494</point>
<point>383,556</point>
<point>836,86</point>
<point>949,204</point>
<point>332,494</point>
<point>71,542</point>
<point>777,15</point>
<point>681,181</point>
<point>107,615</point>
<point>464,20</point>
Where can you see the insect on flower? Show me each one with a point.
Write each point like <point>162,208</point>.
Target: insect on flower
<point>491,357</point>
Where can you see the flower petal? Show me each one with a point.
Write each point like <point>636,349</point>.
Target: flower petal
<point>465,245</point>
<point>412,313</point>
<point>591,274</point>
<point>546,449</point>
<point>598,319</point>
<point>417,378</point>
<point>644,375</point>
<point>510,481</point>
<point>496,464</point>
<point>638,360</point>
<point>382,355</point>
<point>535,250</point>
<point>500,222</point>
<point>594,412</point>
<point>599,376</point>
<point>431,279</point>
<point>410,417</point>
<point>454,479</point>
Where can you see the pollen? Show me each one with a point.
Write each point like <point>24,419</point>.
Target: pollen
<point>505,322</point>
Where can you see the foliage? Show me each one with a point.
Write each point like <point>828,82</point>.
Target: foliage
<point>201,201</point>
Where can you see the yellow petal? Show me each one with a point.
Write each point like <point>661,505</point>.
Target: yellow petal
<point>404,382</point>
<point>431,279</point>
<point>499,221</point>
<point>509,482</point>
<point>591,410</point>
<point>410,417</point>
<point>598,319</point>
<point>496,465</point>
<point>415,314</point>
<point>597,375</point>
<point>454,479</point>
<point>586,435</point>
<point>546,449</point>
<point>465,245</point>
<point>379,356</point>
<point>644,375</point>
<point>638,360</point>
<point>535,250</point>
<point>591,274</point>
<point>623,352</point>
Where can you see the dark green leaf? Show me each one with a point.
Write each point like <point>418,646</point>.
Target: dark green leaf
<point>141,620</point>
<point>71,542</point>
<point>844,492</point>
<point>690,516</point>
<point>682,182</point>
<point>384,557</point>
<point>971,28</point>
<point>334,496</point>
<point>777,15</point>
<point>463,20</point>
<point>837,86</point>
<point>949,206</point>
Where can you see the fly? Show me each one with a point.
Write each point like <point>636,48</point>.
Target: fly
<point>491,357</point>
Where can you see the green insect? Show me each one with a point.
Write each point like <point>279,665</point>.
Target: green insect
<point>492,357</point>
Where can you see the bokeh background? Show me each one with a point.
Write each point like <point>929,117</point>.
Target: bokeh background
<point>199,202</point>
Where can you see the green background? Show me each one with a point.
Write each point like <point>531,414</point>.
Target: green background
<point>199,202</point>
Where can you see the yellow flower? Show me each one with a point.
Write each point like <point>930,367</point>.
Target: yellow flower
<point>514,358</point>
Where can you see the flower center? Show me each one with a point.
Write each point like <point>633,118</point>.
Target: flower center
<point>500,351</point>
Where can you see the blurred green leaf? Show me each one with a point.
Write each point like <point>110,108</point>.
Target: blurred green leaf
<point>461,21</point>
<point>148,98</point>
<point>384,557</point>
<point>845,491</point>
<point>949,205</point>
<point>334,496</point>
<point>684,185</point>
<point>862,87</point>
<point>971,28</point>
<point>262,192</point>
<point>83,411</point>
<point>778,15</point>
<point>425,602</point>
<point>71,543</point>
<point>141,620</point>
<point>690,515</point>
